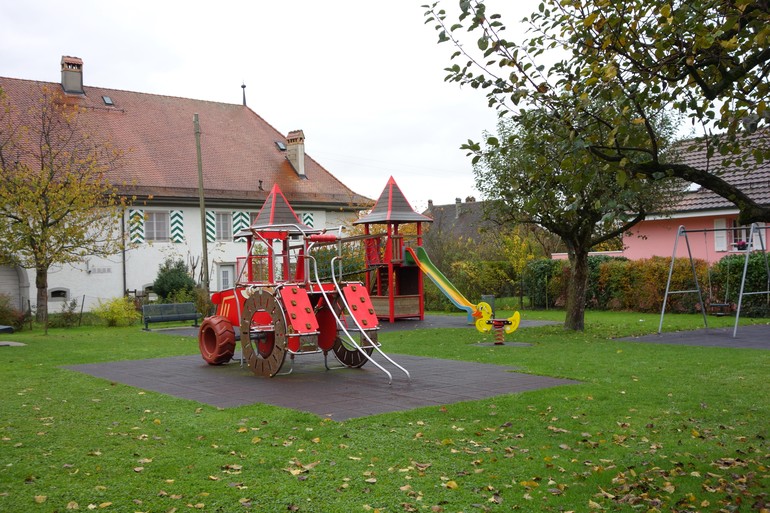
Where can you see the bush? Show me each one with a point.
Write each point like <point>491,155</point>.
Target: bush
<point>726,283</point>
<point>203,304</point>
<point>173,279</point>
<point>119,311</point>
<point>67,318</point>
<point>11,316</point>
<point>543,282</point>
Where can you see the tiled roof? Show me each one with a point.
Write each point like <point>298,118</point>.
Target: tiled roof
<point>754,181</point>
<point>392,206</point>
<point>277,211</point>
<point>241,161</point>
<point>466,220</point>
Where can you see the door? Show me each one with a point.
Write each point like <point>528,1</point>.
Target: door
<point>226,276</point>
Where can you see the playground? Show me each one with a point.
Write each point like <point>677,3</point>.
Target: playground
<point>284,304</point>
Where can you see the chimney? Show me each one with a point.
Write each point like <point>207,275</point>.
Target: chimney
<point>295,151</point>
<point>72,74</point>
<point>458,202</point>
<point>430,205</point>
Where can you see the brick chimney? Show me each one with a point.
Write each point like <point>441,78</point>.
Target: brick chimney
<point>72,74</point>
<point>295,151</point>
<point>458,202</point>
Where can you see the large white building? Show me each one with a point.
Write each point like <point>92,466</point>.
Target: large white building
<point>243,156</point>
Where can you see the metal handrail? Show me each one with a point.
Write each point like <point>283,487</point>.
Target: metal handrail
<point>347,307</point>
<point>341,325</point>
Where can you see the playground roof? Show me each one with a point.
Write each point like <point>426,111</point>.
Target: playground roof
<point>277,211</point>
<point>392,206</point>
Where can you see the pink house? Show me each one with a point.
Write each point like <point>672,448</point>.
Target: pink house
<point>701,209</point>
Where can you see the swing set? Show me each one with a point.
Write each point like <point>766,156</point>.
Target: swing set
<point>720,308</point>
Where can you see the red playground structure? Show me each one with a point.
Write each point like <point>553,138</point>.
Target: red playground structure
<point>394,280</point>
<point>282,305</point>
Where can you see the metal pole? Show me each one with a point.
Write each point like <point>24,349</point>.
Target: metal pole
<point>205,255</point>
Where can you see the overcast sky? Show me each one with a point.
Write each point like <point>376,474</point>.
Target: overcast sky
<point>364,80</point>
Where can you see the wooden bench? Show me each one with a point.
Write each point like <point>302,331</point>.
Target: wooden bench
<point>168,312</point>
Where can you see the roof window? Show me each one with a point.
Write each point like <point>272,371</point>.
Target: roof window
<point>108,101</point>
<point>281,145</point>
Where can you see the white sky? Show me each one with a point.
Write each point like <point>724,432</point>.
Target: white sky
<point>364,80</point>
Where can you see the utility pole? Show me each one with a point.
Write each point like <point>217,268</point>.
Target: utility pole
<point>205,267</point>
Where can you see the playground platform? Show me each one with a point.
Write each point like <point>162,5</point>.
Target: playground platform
<point>337,394</point>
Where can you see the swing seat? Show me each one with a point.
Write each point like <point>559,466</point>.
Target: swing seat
<point>720,309</point>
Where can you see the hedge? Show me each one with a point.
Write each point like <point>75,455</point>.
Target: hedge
<point>640,285</point>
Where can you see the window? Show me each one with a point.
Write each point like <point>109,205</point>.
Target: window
<point>156,227</point>
<point>224,226</point>
<point>740,236</point>
<point>61,294</point>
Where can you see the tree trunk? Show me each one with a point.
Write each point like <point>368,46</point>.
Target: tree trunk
<point>576,290</point>
<point>41,282</point>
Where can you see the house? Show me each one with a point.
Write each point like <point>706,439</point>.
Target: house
<point>711,221</point>
<point>242,156</point>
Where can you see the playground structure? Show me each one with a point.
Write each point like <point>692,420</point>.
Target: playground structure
<point>755,241</point>
<point>396,263</point>
<point>283,306</point>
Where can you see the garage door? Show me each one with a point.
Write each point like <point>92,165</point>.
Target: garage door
<point>9,284</point>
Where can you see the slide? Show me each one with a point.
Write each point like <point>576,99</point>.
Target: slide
<point>422,260</point>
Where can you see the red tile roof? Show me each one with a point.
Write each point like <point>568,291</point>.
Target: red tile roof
<point>754,180</point>
<point>238,148</point>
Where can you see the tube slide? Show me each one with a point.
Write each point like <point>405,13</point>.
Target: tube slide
<point>422,260</point>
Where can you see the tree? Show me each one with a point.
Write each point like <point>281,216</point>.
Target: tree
<point>173,278</point>
<point>536,174</point>
<point>56,203</point>
<point>706,59</point>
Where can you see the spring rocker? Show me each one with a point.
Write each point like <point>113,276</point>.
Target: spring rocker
<point>485,323</point>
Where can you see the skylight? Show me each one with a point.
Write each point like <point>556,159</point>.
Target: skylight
<point>108,100</point>
<point>280,145</point>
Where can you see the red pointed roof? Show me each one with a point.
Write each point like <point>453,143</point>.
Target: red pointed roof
<point>392,206</point>
<point>278,211</point>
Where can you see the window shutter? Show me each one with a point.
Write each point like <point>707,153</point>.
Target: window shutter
<point>759,241</point>
<point>720,237</point>
<point>240,222</point>
<point>177,225</point>
<point>211,226</point>
<point>307,219</point>
<point>135,226</point>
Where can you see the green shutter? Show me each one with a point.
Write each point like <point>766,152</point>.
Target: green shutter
<point>177,225</point>
<point>307,219</point>
<point>240,222</point>
<point>135,226</point>
<point>211,226</point>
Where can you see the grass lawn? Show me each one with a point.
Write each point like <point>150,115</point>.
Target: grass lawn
<point>651,428</point>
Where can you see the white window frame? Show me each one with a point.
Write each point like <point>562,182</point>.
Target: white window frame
<point>155,225</point>
<point>224,226</point>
